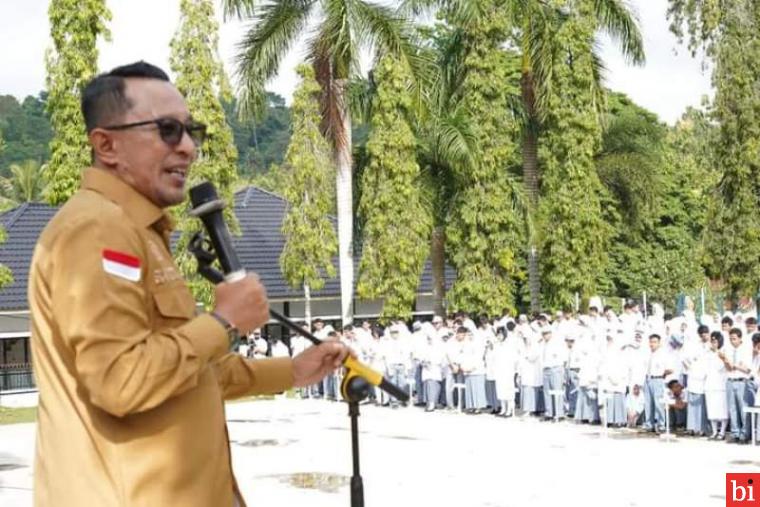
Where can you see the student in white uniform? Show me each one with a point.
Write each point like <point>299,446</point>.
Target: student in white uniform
<point>418,342</point>
<point>587,408</point>
<point>738,361</point>
<point>612,384</point>
<point>655,386</point>
<point>474,368</point>
<point>553,359</point>
<point>375,356</point>
<point>696,421</point>
<point>279,349</point>
<point>507,360</point>
<point>715,387</point>
<point>432,358</point>
<point>531,373</point>
<point>636,356</point>
<point>398,360</point>
<point>573,368</point>
<point>490,360</point>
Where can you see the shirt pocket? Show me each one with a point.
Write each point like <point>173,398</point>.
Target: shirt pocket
<point>174,303</point>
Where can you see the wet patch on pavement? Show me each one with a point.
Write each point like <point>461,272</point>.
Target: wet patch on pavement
<point>321,481</point>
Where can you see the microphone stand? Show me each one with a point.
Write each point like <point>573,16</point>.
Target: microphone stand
<point>354,388</point>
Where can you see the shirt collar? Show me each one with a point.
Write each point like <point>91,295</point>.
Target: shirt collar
<point>134,204</point>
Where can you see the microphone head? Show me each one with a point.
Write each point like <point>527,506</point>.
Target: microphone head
<point>205,200</point>
<point>203,193</point>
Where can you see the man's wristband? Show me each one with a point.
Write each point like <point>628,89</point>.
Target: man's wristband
<point>233,336</point>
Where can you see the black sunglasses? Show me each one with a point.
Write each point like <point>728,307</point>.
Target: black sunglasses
<point>170,130</point>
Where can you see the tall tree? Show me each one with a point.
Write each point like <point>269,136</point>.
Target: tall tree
<point>75,26</point>
<point>344,28</point>
<point>486,231</point>
<point>201,79</point>
<point>310,240</point>
<point>396,226</point>
<point>573,237</point>
<point>445,142</point>
<point>730,32</point>
<point>537,21</point>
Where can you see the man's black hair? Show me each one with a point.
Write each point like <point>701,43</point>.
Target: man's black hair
<point>103,98</point>
<point>735,331</point>
<point>750,320</point>
<point>727,320</point>
<point>755,339</point>
<point>703,329</point>
<point>717,336</point>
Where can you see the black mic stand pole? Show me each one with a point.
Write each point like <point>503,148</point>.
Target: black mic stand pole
<point>355,389</point>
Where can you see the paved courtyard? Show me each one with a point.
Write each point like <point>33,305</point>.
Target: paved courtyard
<point>297,453</point>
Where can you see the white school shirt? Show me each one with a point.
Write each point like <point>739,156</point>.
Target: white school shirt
<point>740,356</point>
<point>698,369</point>
<point>613,375</point>
<point>432,357</point>
<point>553,352</point>
<point>279,349</point>
<point>715,378</point>
<point>659,361</point>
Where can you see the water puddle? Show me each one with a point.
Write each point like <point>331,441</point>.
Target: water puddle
<point>321,481</point>
<point>744,462</point>
<point>263,442</point>
<point>4,467</point>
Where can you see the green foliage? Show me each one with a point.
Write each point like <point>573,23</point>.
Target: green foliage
<point>732,237</point>
<point>75,26</point>
<point>657,245</point>
<point>262,141</point>
<point>6,276</point>
<point>201,79</point>
<point>396,225</point>
<point>311,241</point>
<point>27,182</point>
<point>26,129</point>
<point>486,232</point>
<point>574,237</point>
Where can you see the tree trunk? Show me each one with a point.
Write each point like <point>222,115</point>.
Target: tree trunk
<point>343,165</point>
<point>530,176</point>
<point>438,261</point>
<point>307,305</point>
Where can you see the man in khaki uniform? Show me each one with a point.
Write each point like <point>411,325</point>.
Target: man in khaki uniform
<point>131,379</point>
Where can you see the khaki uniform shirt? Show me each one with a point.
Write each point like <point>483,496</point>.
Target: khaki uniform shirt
<point>131,381</point>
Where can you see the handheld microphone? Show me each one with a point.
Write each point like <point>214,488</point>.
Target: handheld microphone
<point>208,207</point>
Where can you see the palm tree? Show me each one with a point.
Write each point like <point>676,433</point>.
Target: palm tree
<point>537,21</point>
<point>27,183</point>
<point>342,29</point>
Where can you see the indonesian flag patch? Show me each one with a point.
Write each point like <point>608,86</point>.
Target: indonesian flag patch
<point>122,265</point>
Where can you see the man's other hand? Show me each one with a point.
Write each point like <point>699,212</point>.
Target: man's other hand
<point>314,363</point>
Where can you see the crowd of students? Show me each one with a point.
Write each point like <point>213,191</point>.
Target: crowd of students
<point>630,370</point>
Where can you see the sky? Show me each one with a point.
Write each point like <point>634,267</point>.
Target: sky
<point>670,81</point>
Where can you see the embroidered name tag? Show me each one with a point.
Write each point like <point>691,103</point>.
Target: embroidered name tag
<point>122,265</point>
<point>165,275</point>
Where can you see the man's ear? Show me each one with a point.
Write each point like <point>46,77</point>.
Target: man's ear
<point>103,146</point>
